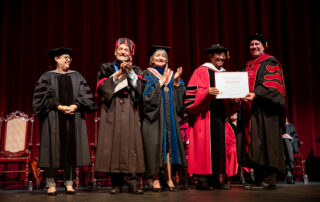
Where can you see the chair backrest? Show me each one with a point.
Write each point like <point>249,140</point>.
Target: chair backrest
<point>14,140</point>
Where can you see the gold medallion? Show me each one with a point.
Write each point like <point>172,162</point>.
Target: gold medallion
<point>166,89</point>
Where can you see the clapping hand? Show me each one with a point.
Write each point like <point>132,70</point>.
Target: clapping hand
<point>165,75</point>
<point>177,75</point>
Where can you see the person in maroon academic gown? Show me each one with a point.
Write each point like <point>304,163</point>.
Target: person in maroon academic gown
<point>263,116</point>
<point>207,157</point>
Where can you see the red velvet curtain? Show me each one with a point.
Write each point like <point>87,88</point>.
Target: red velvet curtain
<point>29,28</point>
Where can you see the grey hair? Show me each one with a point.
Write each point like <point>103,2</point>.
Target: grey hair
<point>152,56</point>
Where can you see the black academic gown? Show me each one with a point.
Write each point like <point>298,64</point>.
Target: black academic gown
<point>156,120</point>
<point>119,148</point>
<point>45,101</point>
<point>259,140</point>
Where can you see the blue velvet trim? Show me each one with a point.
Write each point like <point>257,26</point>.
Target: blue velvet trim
<point>173,129</point>
<point>150,82</point>
<point>115,66</point>
<point>174,140</point>
<point>147,91</point>
<point>148,77</point>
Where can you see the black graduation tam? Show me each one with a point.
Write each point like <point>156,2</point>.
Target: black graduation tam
<point>127,42</point>
<point>260,38</point>
<point>216,49</point>
<point>59,51</point>
<point>154,48</point>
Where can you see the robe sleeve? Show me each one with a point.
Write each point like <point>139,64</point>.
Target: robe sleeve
<point>151,96</point>
<point>136,90</point>
<point>105,85</point>
<point>43,98</point>
<point>270,84</point>
<point>197,99</point>
<point>85,100</point>
<point>179,94</point>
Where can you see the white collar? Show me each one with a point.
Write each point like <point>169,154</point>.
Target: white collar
<point>210,65</point>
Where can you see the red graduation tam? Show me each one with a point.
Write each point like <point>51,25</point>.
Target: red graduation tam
<point>127,42</point>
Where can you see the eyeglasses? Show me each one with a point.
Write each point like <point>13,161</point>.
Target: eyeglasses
<point>67,58</point>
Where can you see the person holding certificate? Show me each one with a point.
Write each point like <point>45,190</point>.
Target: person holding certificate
<point>263,117</point>
<point>119,147</point>
<point>207,156</point>
<point>162,104</point>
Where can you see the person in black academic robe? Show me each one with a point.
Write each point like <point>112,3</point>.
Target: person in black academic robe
<point>162,103</point>
<point>262,117</point>
<point>119,147</point>
<point>60,99</point>
<point>291,147</point>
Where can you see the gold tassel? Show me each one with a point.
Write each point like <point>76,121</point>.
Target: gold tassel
<point>266,44</point>
<point>228,55</point>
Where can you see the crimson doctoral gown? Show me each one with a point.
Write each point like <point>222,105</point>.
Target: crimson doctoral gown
<point>207,124</point>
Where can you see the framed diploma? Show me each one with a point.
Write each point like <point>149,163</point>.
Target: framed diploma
<point>231,84</point>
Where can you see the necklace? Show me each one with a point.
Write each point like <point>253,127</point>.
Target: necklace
<point>249,68</point>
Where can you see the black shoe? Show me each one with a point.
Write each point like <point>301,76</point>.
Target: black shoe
<point>157,189</point>
<point>290,180</point>
<point>52,193</point>
<point>69,192</point>
<point>262,186</point>
<point>172,189</point>
<point>134,188</point>
<point>115,190</point>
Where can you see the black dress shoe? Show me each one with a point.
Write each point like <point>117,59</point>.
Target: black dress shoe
<point>136,191</point>
<point>262,186</point>
<point>157,189</point>
<point>115,190</point>
<point>52,193</point>
<point>290,180</point>
<point>69,192</point>
<point>172,189</point>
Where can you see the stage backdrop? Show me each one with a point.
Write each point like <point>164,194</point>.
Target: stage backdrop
<point>29,28</point>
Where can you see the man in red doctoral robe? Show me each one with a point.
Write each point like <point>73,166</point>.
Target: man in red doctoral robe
<point>263,116</point>
<point>207,121</point>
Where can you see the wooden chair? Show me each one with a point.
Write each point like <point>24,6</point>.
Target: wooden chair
<point>16,144</point>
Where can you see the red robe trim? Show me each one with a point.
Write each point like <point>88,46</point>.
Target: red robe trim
<point>98,84</point>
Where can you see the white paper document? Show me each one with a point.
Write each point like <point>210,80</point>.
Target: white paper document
<point>231,84</point>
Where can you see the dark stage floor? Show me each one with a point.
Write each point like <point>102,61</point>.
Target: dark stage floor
<point>284,193</point>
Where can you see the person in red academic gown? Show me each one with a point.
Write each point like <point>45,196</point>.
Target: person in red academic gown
<point>207,155</point>
<point>231,146</point>
<point>263,116</point>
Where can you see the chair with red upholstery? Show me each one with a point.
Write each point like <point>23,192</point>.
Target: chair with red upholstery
<point>16,145</point>
<point>299,170</point>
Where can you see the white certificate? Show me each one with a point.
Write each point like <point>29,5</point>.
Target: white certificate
<point>231,84</point>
